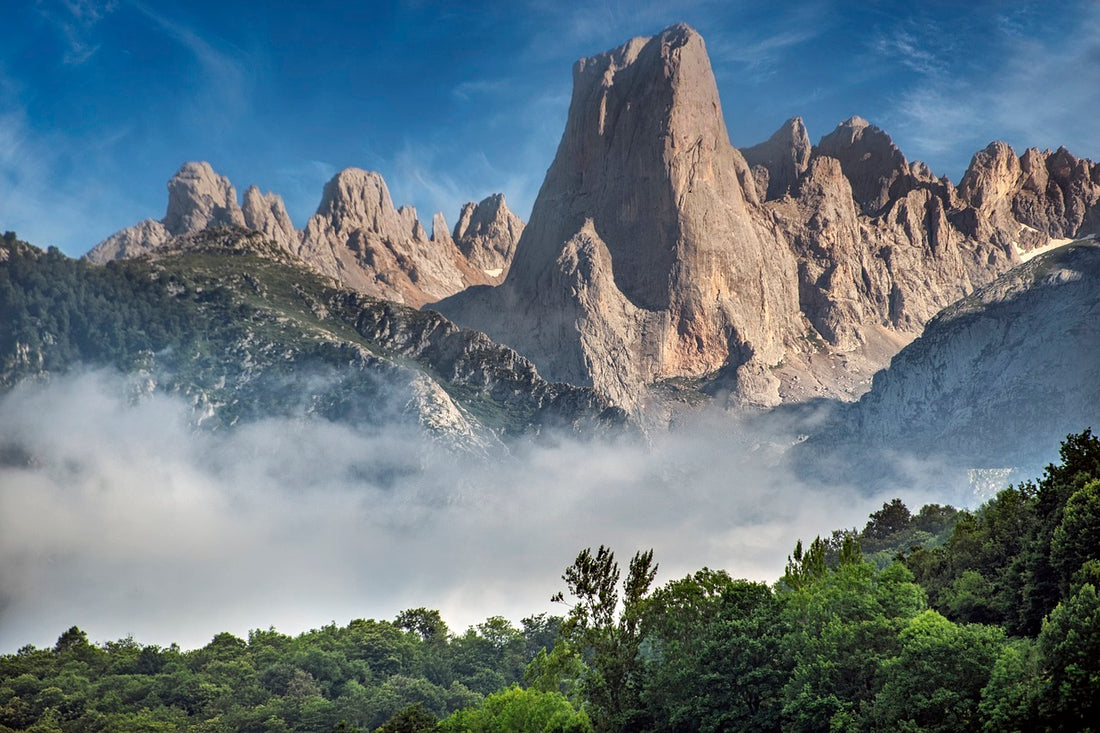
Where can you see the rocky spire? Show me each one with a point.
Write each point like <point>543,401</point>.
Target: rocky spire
<point>487,233</point>
<point>643,257</point>
<point>783,158</point>
<point>359,238</point>
<point>199,198</point>
<point>871,162</point>
<point>266,213</point>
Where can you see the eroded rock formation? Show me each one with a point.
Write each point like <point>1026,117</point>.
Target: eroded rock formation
<point>357,236</point>
<point>645,256</point>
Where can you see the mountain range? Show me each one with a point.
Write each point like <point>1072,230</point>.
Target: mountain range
<point>661,265</point>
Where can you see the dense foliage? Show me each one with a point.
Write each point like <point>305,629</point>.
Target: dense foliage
<point>982,620</point>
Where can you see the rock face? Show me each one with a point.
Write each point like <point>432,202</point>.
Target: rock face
<point>356,237</point>
<point>140,239</point>
<point>1053,193</point>
<point>487,234</point>
<point>644,257</point>
<point>655,250</point>
<point>198,198</point>
<point>360,239</point>
<point>1008,371</point>
<point>778,162</point>
<point>265,213</point>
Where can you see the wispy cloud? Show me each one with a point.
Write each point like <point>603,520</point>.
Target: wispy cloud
<point>468,90</point>
<point>911,51</point>
<point>222,90</point>
<point>1034,91</point>
<point>76,20</point>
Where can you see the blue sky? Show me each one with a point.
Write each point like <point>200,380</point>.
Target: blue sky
<point>101,101</point>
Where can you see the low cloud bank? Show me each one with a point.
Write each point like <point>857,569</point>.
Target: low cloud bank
<point>118,516</point>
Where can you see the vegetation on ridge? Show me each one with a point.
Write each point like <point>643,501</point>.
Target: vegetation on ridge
<point>226,319</point>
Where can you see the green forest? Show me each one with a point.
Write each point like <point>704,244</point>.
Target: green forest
<point>939,620</point>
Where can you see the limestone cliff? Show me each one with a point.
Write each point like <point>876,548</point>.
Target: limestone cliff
<point>487,233</point>
<point>1007,371</point>
<point>778,162</point>
<point>356,237</point>
<point>655,250</point>
<point>645,256</point>
<point>360,239</point>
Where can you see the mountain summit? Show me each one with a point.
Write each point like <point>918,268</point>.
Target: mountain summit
<point>656,250</point>
<point>645,256</point>
<point>357,236</point>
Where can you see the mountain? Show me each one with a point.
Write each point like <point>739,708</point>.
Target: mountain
<point>658,253</point>
<point>996,379</point>
<point>356,236</point>
<point>645,256</point>
<point>243,330</point>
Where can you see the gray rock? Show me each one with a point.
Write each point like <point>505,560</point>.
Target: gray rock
<point>487,233</point>
<point>199,198</point>
<point>358,238</point>
<point>645,256</point>
<point>784,156</point>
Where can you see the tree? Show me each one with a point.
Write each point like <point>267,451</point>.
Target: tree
<point>607,644</point>
<point>1076,541</point>
<point>935,681</point>
<point>891,519</point>
<point>410,719</point>
<point>516,710</point>
<point>1070,646</point>
<point>713,653</point>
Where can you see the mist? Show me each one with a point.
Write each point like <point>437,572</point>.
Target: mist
<point>119,516</point>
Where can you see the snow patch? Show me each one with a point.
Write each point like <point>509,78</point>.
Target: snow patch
<point>1033,253</point>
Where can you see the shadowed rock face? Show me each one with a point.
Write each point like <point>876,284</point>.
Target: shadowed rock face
<point>1008,370</point>
<point>778,162</point>
<point>645,256</point>
<point>871,162</point>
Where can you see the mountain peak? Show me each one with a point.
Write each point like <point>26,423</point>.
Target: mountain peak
<point>642,227</point>
<point>487,233</point>
<point>870,160</point>
<point>198,197</point>
<point>781,159</point>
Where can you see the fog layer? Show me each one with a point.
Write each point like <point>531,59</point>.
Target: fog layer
<point>118,516</point>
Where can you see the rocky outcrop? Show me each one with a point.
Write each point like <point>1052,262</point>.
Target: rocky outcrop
<point>266,213</point>
<point>1007,371</point>
<point>778,162</point>
<point>198,198</point>
<point>360,239</point>
<point>883,245</point>
<point>645,257</point>
<point>487,234</point>
<point>135,241</point>
<point>873,165</point>
<point>357,236</point>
